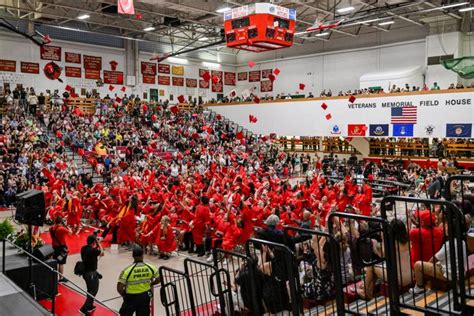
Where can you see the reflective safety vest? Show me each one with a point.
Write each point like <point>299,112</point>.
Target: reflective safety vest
<point>137,277</point>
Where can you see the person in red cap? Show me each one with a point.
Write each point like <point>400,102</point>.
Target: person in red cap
<point>426,239</point>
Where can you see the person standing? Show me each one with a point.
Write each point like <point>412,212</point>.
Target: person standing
<point>90,254</point>
<point>58,234</point>
<point>135,284</point>
<point>33,103</point>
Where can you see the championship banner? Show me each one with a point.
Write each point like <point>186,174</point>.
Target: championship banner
<point>229,78</point>
<point>73,58</point>
<point>7,65</point>
<point>74,72</point>
<point>148,68</point>
<point>164,80</point>
<point>92,62</point>
<point>178,81</point>
<point>217,86</point>
<point>202,72</point>
<point>242,76</point>
<point>177,70</point>
<point>203,84</point>
<point>91,74</point>
<point>113,77</point>
<point>254,76</point>
<point>50,52</point>
<point>266,73</point>
<point>191,83</point>
<point>164,69</point>
<point>266,86</point>
<point>367,116</point>
<point>29,68</point>
<point>149,79</point>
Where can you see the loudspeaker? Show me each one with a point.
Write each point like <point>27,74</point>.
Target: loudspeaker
<point>30,209</point>
<point>43,253</point>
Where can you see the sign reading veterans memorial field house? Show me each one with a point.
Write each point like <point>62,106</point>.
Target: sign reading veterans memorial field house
<point>430,114</point>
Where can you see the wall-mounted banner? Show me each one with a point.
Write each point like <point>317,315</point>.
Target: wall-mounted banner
<point>93,62</point>
<point>74,72</point>
<point>113,77</point>
<point>164,69</point>
<point>164,80</point>
<point>7,65</point>
<point>91,74</point>
<point>266,86</point>
<point>229,78</point>
<point>217,85</point>
<point>148,68</point>
<point>203,84</point>
<point>29,68</point>
<point>254,76</point>
<point>177,70</point>
<point>242,76</point>
<point>50,52</point>
<point>191,83</point>
<point>178,81</point>
<point>368,116</point>
<point>72,58</point>
<point>266,73</point>
<point>149,79</point>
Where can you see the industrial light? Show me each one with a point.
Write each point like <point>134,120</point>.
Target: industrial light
<point>210,65</point>
<point>83,17</point>
<point>177,60</point>
<point>222,10</point>
<point>466,9</point>
<point>148,29</point>
<point>345,10</point>
<point>202,39</point>
<point>322,34</point>
<point>369,21</point>
<point>453,5</point>
<point>386,23</point>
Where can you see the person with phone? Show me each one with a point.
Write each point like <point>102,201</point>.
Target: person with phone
<point>90,254</point>
<point>58,234</point>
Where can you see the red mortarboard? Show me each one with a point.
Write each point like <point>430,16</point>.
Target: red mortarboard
<point>218,117</point>
<point>181,99</point>
<point>352,99</point>
<point>239,135</point>
<point>256,99</point>
<point>324,106</point>
<point>68,88</point>
<point>232,93</point>
<point>264,138</point>
<point>123,89</point>
<point>154,118</point>
<point>206,76</point>
<point>174,109</point>
<point>47,39</point>
<point>302,86</point>
<point>113,65</point>
<point>349,139</point>
<point>252,119</point>
<point>271,77</point>
<point>276,71</point>
<point>328,116</point>
<point>252,64</point>
<point>118,99</point>
<point>111,87</point>
<point>74,95</point>
<point>215,79</point>
<point>138,16</point>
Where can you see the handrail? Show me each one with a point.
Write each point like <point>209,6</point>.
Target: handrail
<point>84,292</point>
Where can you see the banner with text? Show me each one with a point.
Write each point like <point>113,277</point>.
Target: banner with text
<point>92,62</point>
<point>50,52</point>
<point>73,58</point>
<point>74,72</point>
<point>29,68</point>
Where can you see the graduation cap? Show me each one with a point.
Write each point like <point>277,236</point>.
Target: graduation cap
<point>215,79</point>
<point>206,76</point>
<point>139,16</point>
<point>239,135</point>
<point>74,95</point>
<point>118,99</point>
<point>271,77</point>
<point>174,109</point>
<point>276,71</point>
<point>68,88</point>
<point>352,99</point>
<point>111,87</point>
<point>181,99</point>
<point>324,106</point>
<point>123,89</point>
<point>256,99</point>
<point>348,139</point>
<point>154,118</point>
<point>252,119</point>
<point>302,86</point>
<point>232,93</point>
<point>328,116</point>
<point>218,117</point>
<point>252,64</point>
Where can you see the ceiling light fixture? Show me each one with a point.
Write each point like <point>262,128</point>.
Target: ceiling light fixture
<point>453,5</point>
<point>83,17</point>
<point>386,23</point>
<point>202,39</point>
<point>322,34</point>
<point>369,21</point>
<point>148,29</point>
<point>210,65</point>
<point>466,9</point>
<point>345,10</point>
<point>222,10</point>
<point>177,60</point>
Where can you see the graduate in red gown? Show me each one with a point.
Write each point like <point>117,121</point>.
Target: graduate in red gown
<point>73,208</point>
<point>199,224</point>
<point>165,238</point>
<point>127,223</point>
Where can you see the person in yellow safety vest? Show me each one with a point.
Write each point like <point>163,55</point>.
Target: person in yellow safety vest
<point>135,283</point>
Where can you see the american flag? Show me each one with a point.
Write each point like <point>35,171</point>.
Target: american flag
<point>405,115</point>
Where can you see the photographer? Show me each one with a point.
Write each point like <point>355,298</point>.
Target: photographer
<point>58,234</point>
<point>89,255</point>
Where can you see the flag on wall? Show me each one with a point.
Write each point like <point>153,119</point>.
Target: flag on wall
<point>125,7</point>
<point>405,115</point>
<point>458,130</point>
<point>356,129</point>
<point>378,130</point>
<point>403,130</point>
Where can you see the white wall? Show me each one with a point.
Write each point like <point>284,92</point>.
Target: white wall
<point>17,48</point>
<point>439,45</point>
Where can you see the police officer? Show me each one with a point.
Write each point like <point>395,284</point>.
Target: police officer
<point>135,284</point>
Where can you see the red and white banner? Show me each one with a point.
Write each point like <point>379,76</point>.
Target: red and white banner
<point>217,85</point>
<point>74,72</point>
<point>254,76</point>
<point>242,76</point>
<point>164,80</point>
<point>229,78</point>
<point>177,81</point>
<point>91,74</point>
<point>266,73</point>
<point>164,69</point>
<point>7,65</point>
<point>266,86</point>
<point>92,62</point>
<point>125,7</point>
<point>148,68</point>
<point>73,58</point>
<point>50,52</point>
<point>29,68</point>
<point>191,83</point>
<point>113,77</point>
<point>203,84</point>
<point>149,79</point>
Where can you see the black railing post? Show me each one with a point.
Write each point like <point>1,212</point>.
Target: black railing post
<point>3,256</point>
<point>54,279</point>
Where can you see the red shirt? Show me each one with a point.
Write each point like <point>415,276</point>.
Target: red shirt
<point>58,235</point>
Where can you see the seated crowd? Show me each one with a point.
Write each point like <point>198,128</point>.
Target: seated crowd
<point>183,179</point>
